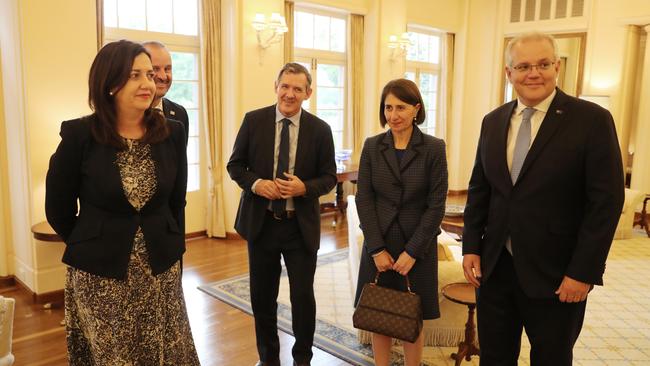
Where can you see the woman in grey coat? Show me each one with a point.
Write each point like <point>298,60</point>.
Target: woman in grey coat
<point>402,187</point>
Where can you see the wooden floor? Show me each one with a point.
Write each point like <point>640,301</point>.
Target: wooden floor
<point>223,334</point>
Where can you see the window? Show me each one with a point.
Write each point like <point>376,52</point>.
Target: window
<point>424,67</point>
<point>174,23</point>
<point>320,45</point>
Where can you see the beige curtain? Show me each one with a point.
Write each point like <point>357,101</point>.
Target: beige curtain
<point>356,83</point>
<point>211,52</point>
<point>449,81</point>
<point>100,23</point>
<point>288,37</point>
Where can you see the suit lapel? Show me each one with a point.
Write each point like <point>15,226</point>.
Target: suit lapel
<point>412,151</point>
<point>168,111</point>
<point>267,140</point>
<point>388,153</point>
<point>498,149</point>
<point>304,133</point>
<point>552,121</point>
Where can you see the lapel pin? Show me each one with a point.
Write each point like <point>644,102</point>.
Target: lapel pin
<point>172,113</point>
<point>559,111</point>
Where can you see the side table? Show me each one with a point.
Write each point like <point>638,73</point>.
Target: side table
<point>643,220</point>
<point>465,294</point>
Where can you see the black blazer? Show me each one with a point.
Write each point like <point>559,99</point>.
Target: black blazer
<point>562,212</point>
<point>252,159</point>
<point>99,236</point>
<point>411,192</point>
<point>177,112</point>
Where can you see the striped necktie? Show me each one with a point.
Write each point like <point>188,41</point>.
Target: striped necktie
<point>522,144</point>
<point>279,206</point>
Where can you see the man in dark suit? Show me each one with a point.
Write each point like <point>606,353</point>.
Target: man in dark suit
<point>543,203</point>
<point>283,159</point>
<point>162,67</point>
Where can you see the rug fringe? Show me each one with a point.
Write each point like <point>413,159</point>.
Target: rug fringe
<point>435,337</point>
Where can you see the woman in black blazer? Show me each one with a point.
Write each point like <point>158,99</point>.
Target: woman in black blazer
<point>127,167</point>
<point>402,188</point>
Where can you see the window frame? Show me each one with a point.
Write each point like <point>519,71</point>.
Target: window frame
<point>174,43</point>
<point>314,57</point>
<point>421,67</point>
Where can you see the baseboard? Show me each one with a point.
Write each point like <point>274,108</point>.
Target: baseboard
<point>196,235</point>
<point>461,192</point>
<point>233,236</point>
<point>7,281</point>
<point>52,297</point>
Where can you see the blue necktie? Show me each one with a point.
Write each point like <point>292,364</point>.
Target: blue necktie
<point>522,144</point>
<point>279,206</point>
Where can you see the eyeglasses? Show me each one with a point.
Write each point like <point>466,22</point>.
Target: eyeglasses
<point>526,68</point>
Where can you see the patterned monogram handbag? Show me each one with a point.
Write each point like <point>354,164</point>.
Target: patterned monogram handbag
<point>393,313</point>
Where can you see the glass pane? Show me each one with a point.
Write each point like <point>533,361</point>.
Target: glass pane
<point>185,93</point>
<point>159,15</point>
<point>303,30</point>
<point>333,117</point>
<point>329,98</point>
<point>193,178</point>
<point>337,35</point>
<point>338,139</point>
<point>186,17</point>
<point>185,66</point>
<point>412,53</point>
<point>434,49</point>
<point>193,115</point>
<point>131,14</point>
<point>321,32</point>
<point>305,104</point>
<point>330,75</point>
<point>423,47</point>
<point>409,75</point>
<point>110,13</point>
<point>428,82</point>
<point>193,150</point>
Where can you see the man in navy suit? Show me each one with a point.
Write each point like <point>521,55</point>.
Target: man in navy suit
<point>544,199</point>
<point>283,160</point>
<point>162,67</point>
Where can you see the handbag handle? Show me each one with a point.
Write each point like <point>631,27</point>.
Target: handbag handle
<point>408,283</point>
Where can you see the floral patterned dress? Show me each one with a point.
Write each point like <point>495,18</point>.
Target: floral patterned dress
<point>141,320</point>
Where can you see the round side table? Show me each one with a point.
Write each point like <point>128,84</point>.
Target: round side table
<point>464,294</point>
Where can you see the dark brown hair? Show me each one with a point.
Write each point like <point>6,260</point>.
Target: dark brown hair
<point>406,91</point>
<point>294,68</point>
<point>108,74</point>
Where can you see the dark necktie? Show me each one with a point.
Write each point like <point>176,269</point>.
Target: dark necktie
<point>279,206</point>
<point>522,144</point>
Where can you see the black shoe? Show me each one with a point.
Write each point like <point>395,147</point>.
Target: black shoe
<point>261,363</point>
<point>296,363</point>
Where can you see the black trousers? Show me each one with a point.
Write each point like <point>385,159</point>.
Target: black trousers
<point>282,238</point>
<point>503,309</point>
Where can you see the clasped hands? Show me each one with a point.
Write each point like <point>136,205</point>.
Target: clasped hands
<point>570,290</point>
<point>279,188</point>
<point>384,261</point>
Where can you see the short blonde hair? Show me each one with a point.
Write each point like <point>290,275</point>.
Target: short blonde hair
<point>530,36</point>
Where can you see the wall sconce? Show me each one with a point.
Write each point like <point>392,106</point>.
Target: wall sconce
<point>269,32</point>
<point>399,46</point>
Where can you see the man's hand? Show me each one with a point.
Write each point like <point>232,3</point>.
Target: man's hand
<point>404,263</point>
<point>383,261</point>
<point>571,290</point>
<point>267,189</point>
<point>290,187</point>
<point>472,269</point>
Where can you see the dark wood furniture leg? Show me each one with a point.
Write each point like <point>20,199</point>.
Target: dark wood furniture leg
<point>643,220</point>
<point>466,348</point>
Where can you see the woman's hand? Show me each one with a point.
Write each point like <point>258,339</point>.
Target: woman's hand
<point>383,261</point>
<point>404,263</point>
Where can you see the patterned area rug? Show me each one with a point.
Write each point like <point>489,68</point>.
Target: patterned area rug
<point>616,329</point>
